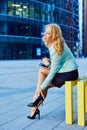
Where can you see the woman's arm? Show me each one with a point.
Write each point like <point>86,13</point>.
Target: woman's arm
<point>55,66</point>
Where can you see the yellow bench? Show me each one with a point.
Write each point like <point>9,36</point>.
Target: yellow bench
<point>81,100</point>
<point>69,117</point>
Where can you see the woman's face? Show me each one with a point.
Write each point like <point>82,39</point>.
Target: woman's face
<point>47,35</point>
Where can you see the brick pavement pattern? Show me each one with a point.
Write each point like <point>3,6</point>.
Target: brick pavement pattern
<point>17,85</point>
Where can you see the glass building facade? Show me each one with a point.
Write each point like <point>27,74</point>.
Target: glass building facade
<point>22,25</point>
<point>85,28</point>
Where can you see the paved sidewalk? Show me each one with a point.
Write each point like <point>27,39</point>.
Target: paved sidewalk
<point>17,86</point>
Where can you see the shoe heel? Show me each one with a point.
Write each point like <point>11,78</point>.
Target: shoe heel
<point>37,112</point>
<point>42,102</point>
<point>39,116</point>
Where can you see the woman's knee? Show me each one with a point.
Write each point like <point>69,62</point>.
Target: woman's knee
<point>43,70</point>
<point>40,69</point>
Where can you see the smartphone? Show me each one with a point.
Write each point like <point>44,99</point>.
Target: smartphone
<point>41,64</point>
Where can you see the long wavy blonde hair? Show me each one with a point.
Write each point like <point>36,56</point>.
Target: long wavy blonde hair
<point>57,39</point>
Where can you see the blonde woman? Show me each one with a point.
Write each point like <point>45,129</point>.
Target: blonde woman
<point>60,68</point>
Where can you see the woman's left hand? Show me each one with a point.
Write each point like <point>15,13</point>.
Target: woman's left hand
<point>42,92</point>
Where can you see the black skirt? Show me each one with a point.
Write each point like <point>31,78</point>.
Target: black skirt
<point>60,78</point>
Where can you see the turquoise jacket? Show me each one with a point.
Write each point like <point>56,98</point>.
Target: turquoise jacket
<point>59,63</point>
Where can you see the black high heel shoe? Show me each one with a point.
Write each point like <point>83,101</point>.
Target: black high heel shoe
<point>35,103</point>
<point>37,112</point>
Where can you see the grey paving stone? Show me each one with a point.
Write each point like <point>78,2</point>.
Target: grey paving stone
<point>17,85</point>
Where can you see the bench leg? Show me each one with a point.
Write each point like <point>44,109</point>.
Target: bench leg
<point>69,103</point>
<point>86,99</point>
<point>81,103</point>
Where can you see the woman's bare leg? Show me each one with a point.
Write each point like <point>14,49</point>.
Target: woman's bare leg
<point>45,94</point>
<point>42,74</point>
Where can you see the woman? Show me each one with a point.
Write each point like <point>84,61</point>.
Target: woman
<point>62,67</point>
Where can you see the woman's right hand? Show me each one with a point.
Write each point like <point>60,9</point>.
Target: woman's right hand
<point>46,61</point>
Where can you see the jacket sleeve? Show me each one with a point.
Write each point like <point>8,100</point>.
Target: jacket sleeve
<point>55,67</point>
